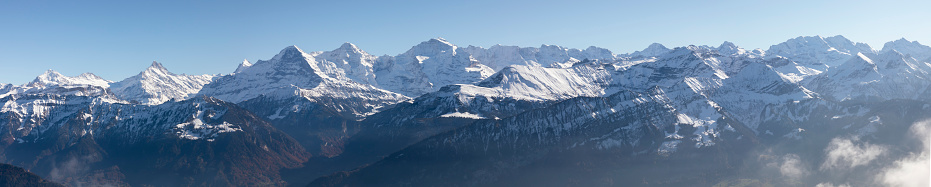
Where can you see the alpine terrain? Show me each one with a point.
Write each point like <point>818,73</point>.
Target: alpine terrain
<point>811,111</point>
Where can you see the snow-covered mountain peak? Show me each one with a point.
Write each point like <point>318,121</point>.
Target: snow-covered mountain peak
<point>888,75</point>
<point>655,46</point>
<point>157,68</point>
<point>838,39</point>
<point>800,43</point>
<point>654,49</point>
<point>156,85</point>
<point>289,52</point>
<point>242,66</point>
<point>901,42</point>
<point>428,66</point>
<point>354,62</point>
<point>686,50</point>
<point>598,50</point>
<point>729,49</point>
<point>850,45</point>
<point>348,49</point>
<point>892,63</point>
<point>53,78</point>
<point>349,46</point>
<point>819,44</point>
<point>913,48</point>
<point>440,39</point>
<point>499,56</point>
<point>761,78</point>
<point>727,45</point>
<point>50,76</point>
<point>860,67</point>
<point>311,80</point>
<point>432,47</point>
<point>818,53</point>
<point>292,61</point>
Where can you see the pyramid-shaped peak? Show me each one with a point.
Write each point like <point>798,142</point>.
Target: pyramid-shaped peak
<point>655,46</point>
<point>51,72</point>
<point>157,66</point>
<point>432,47</point>
<point>292,48</point>
<point>727,45</point>
<point>289,52</point>
<point>243,66</point>
<point>654,49</point>
<point>155,69</point>
<point>348,46</point>
<point>49,76</point>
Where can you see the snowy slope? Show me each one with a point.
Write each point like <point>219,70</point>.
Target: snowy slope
<point>157,85</point>
<point>518,85</point>
<point>357,64</point>
<point>545,84</point>
<point>890,75</point>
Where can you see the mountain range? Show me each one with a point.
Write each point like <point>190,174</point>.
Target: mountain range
<point>443,115</point>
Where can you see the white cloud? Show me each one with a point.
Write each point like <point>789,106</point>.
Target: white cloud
<point>915,169</point>
<point>792,167</point>
<point>843,153</point>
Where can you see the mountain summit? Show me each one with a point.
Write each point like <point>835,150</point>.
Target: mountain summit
<point>156,85</point>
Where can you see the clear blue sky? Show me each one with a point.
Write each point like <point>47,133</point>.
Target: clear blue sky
<point>118,39</point>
